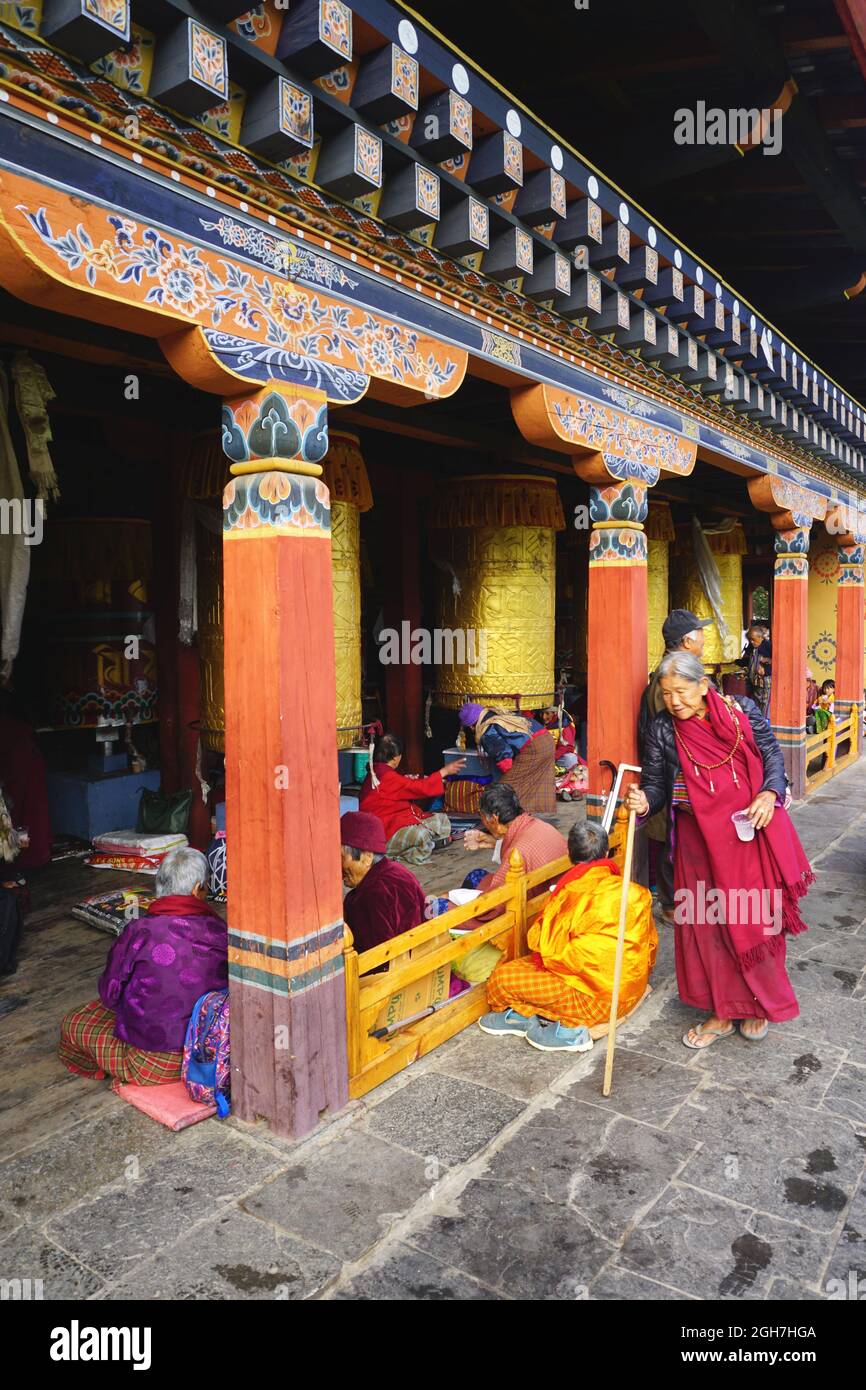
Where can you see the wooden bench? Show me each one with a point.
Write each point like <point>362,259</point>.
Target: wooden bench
<point>823,749</point>
<point>417,956</point>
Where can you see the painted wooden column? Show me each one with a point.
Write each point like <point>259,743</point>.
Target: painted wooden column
<point>282,795</point>
<point>790,636</point>
<point>617,626</point>
<point>849,632</point>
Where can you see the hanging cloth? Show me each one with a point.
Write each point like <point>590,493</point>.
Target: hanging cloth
<point>708,573</point>
<point>33,391</point>
<point>187,597</point>
<point>14,551</point>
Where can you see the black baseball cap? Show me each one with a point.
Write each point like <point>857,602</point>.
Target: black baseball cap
<point>678,624</point>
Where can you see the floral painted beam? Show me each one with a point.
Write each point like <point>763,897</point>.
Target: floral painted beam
<point>629,445</point>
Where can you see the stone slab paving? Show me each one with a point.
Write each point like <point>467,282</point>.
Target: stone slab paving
<point>490,1171</point>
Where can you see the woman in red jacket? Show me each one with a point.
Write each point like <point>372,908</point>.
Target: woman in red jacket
<point>412,834</point>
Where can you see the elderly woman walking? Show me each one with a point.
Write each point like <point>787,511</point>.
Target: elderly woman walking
<point>160,964</point>
<point>736,899</point>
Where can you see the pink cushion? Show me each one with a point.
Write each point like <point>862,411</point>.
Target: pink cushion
<point>169,1104</point>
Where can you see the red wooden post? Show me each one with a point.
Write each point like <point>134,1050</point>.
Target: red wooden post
<point>790,640</point>
<point>282,806</point>
<point>849,633</point>
<point>617,628</point>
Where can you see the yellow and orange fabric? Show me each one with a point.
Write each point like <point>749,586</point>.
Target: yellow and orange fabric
<point>569,976</point>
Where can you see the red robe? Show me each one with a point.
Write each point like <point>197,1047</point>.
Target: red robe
<point>395,799</point>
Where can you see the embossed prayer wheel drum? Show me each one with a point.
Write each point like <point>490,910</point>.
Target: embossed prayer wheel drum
<point>494,548</point>
<point>346,477</point>
<point>659,530</point>
<point>728,549</point>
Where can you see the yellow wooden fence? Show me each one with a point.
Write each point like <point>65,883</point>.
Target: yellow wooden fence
<point>417,955</point>
<point>822,749</point>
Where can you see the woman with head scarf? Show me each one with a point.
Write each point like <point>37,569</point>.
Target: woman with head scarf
<point>522,750</point>
<point>739,867</point>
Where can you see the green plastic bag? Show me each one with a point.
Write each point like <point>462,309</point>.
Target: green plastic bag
<point>163,815</point>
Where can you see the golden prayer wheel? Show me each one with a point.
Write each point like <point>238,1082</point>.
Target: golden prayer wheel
<point>345,475</point>
<point>659,532</point>
<point>493,538</point>
<point>728,549</point>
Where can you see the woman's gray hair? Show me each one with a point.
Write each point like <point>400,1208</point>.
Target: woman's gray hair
<point>182,871</point>
<point>683,664</point>
<point>355,853</point>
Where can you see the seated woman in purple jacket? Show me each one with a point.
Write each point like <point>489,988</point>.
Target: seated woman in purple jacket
<point>156,970</point>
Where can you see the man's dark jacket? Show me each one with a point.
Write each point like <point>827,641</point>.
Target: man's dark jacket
<point>661,762</point>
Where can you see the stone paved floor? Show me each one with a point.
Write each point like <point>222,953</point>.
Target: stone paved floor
<point>488,1170</point>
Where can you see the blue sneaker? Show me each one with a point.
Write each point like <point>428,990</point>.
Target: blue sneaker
<point>506,1022</point>
<point>555,1037</point>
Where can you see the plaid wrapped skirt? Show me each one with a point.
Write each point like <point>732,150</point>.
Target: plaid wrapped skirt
<point>526,987</point>
<point>89,1048</point>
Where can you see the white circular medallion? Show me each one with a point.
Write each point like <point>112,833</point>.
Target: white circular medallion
<point>752,323</point>
<point>623,214</point>
<point>699,275</point>
<point>718,290</point>
<point>460,79</point>
<point>592,186</point>
<point>513,123</point>
<point>678,259</point>
<point>556,157</point>
<point>736,308</point>
<point>408,36</point>
<point>652,237</point>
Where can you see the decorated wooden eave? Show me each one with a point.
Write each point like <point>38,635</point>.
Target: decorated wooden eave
<point>292,91</point>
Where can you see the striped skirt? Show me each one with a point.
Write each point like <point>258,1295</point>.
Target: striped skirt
<point>89,1048</point>
<point>533,777</point>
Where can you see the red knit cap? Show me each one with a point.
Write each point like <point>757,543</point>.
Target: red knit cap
<point>360,830</point>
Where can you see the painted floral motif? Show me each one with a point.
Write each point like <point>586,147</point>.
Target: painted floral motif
<point>823,651</point>
<point>335,26</point>
<point>129,68</point>
<point>23,17</point>
<point>194,283</point>
<point>114,14</point>
<point>513,158</point>
<point>593,221</point>
<point>826,566</point>
<point>632,447</point>
<point>649,326</point>
<point>404,77</point>
<point>460,119</point>
<point>225,119</point>
<point>427,191</point>
<point>255,25</point>
<point>280,253</point>
<point>562,274</point>
<point>271,426</point>
<point>557,193</point>
<point>479,223</point>
<point>503,349</point>
<point>623,311</point>
<point>635,405</point>
<point>276,501</point>
<point>256,362</point>
<point>593,292</point>
<point>207,59</point>
<point>296,111</point>
<point>611,547</point>
<point>401,126</point>
<point>623,242</point>
<point>625,502</point>
<point>340,82</point>
<point>523,251</point>
<point>368,156</point>
<point>699,301</point>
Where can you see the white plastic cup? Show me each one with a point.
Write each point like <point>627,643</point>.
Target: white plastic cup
<point>743,826</point>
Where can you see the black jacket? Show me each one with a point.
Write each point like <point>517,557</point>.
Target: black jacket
<point>661,762</point>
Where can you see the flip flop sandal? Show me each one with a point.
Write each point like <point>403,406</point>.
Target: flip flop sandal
<point>755,1037</point>
<point>712,1035</point>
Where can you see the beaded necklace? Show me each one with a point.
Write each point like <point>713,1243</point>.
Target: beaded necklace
<point>710,768</point>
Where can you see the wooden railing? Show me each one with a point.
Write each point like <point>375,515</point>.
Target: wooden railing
<point>419,966</point>
<point>822,749</point>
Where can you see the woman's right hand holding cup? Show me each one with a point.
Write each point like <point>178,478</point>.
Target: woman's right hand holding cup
<point>635,800</point>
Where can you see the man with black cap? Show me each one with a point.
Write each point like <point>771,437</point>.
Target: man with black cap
<point>682,631</point>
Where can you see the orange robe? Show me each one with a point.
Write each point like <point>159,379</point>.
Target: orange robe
<point>569,976</point>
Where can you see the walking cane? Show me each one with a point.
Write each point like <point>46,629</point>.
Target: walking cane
<point>620,942</point>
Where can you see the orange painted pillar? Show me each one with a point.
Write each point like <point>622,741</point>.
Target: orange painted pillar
<point>849,633</point>
<point>286,983</point>
<point>790,640</point>
<point>617,629</point>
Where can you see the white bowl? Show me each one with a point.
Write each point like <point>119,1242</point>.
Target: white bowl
<point>461,896</point>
